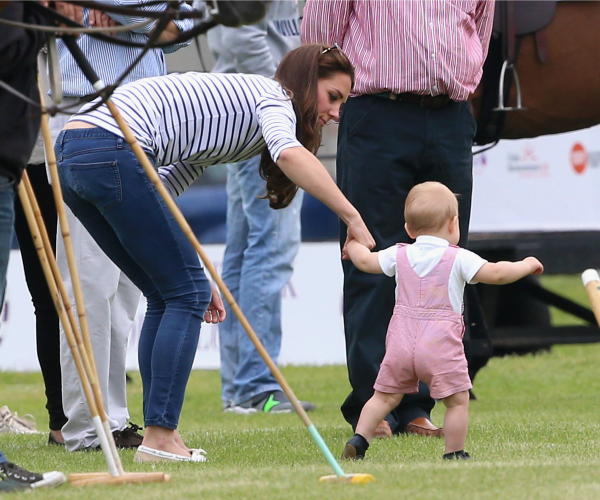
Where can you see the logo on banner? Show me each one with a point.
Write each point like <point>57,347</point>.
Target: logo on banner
<point>480,162</point>
<point>526,163</point>
<point>579,158</point>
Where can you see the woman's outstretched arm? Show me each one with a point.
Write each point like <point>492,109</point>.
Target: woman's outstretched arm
<point>305,170</point>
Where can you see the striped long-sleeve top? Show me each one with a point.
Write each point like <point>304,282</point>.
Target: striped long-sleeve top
<point>194,120</point>
<point>420,46</point>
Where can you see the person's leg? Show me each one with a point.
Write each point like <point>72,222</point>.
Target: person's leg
<point>46,317</point>
<point>450,161</point>
<point>448,156</point>
<point>7,219</point>
<point>235,245</point>
<point>123,308</point>
<point>98,277</point>
<point>380,144</point>
<point>456,421</point>
<point>272,243</point>
<point>374,411</point>
<point>109,191</point>
<point>379,406</point>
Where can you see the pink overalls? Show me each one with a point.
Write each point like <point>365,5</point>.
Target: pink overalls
<point>424,338</point>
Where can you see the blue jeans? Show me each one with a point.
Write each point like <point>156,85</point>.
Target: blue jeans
<point>7,222</point>
<point>108,190</point>
<point>261,246</point>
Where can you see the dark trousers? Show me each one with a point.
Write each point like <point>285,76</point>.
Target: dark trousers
<point>46,318</point>
<point>385,147</point>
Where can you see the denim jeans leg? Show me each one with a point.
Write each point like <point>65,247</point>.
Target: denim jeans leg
<point>261,246</point>
<point>235,245</point>
<point>108,190</point>
<point>7,221</point>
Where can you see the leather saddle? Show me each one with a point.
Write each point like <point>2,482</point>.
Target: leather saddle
<point>513,20</point>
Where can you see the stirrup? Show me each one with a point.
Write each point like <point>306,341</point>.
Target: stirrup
<point>501,106</point>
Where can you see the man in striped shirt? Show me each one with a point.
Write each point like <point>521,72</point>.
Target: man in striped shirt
<point>407,121</point>
<point>111,300</point>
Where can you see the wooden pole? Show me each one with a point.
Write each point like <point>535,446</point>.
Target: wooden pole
<point>106,439</point>
<point>591,282</point>
<point>92,478</point>
<point>155,179</point>
<point>45,259</point>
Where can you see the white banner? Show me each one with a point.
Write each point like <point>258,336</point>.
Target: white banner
<point>311,315</point>
<point>544,184</point>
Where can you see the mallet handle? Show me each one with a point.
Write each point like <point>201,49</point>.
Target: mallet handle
<point>591,282</point>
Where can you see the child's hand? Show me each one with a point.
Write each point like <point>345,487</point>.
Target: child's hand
<point>345,254</point>
<point>536,266</point>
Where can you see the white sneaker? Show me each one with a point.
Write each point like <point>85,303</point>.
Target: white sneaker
<point>12,423</point>
<point>28,479</point>
<point>239,410</point>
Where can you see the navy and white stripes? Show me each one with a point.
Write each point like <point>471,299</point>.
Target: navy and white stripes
<point>194,120</point>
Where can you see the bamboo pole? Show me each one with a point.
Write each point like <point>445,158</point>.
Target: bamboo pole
<point>45,259</point>
<point>93,478</point>
<point>591,282</point>
<point>106,439</point>
<point>155,179</point>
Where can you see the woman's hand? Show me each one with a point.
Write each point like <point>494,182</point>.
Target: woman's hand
<point>357,230</point>
<point>216,310</point>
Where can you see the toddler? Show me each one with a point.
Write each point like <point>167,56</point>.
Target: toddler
<point>424,338</point>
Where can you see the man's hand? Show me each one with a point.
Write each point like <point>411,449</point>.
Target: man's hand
<point>99,19</point>
<point>67,9</point>
<point>170,33</point>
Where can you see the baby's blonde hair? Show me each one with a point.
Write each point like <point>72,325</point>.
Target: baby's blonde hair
<point>429,206</point>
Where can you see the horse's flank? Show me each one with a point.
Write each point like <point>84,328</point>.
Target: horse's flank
<point>562,94</point>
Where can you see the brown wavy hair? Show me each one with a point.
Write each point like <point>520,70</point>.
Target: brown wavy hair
<point>299,73</point>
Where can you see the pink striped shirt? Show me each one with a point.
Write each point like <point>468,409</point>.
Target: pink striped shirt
<point>421,46</point>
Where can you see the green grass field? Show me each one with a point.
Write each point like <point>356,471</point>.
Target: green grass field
<point>534,434</point>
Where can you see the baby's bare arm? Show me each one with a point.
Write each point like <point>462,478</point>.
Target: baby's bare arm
<point>501,273</point>
<point>363,258</point>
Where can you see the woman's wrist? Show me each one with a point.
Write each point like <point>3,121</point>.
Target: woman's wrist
<point>351,218</point>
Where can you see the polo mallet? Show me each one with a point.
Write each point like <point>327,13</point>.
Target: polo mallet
<point>339,476</point>
<point>80,344</point>
<point>98,85</point>
<point>591,282</point>
<point>52,274</point>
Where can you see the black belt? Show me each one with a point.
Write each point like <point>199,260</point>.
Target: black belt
<point>425,101</point>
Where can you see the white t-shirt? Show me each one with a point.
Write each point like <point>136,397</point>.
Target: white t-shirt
<point>424,254</point>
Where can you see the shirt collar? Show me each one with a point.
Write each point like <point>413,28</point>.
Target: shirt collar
<point>432,240</point>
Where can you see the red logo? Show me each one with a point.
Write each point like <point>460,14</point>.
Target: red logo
<point>579,157</point>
